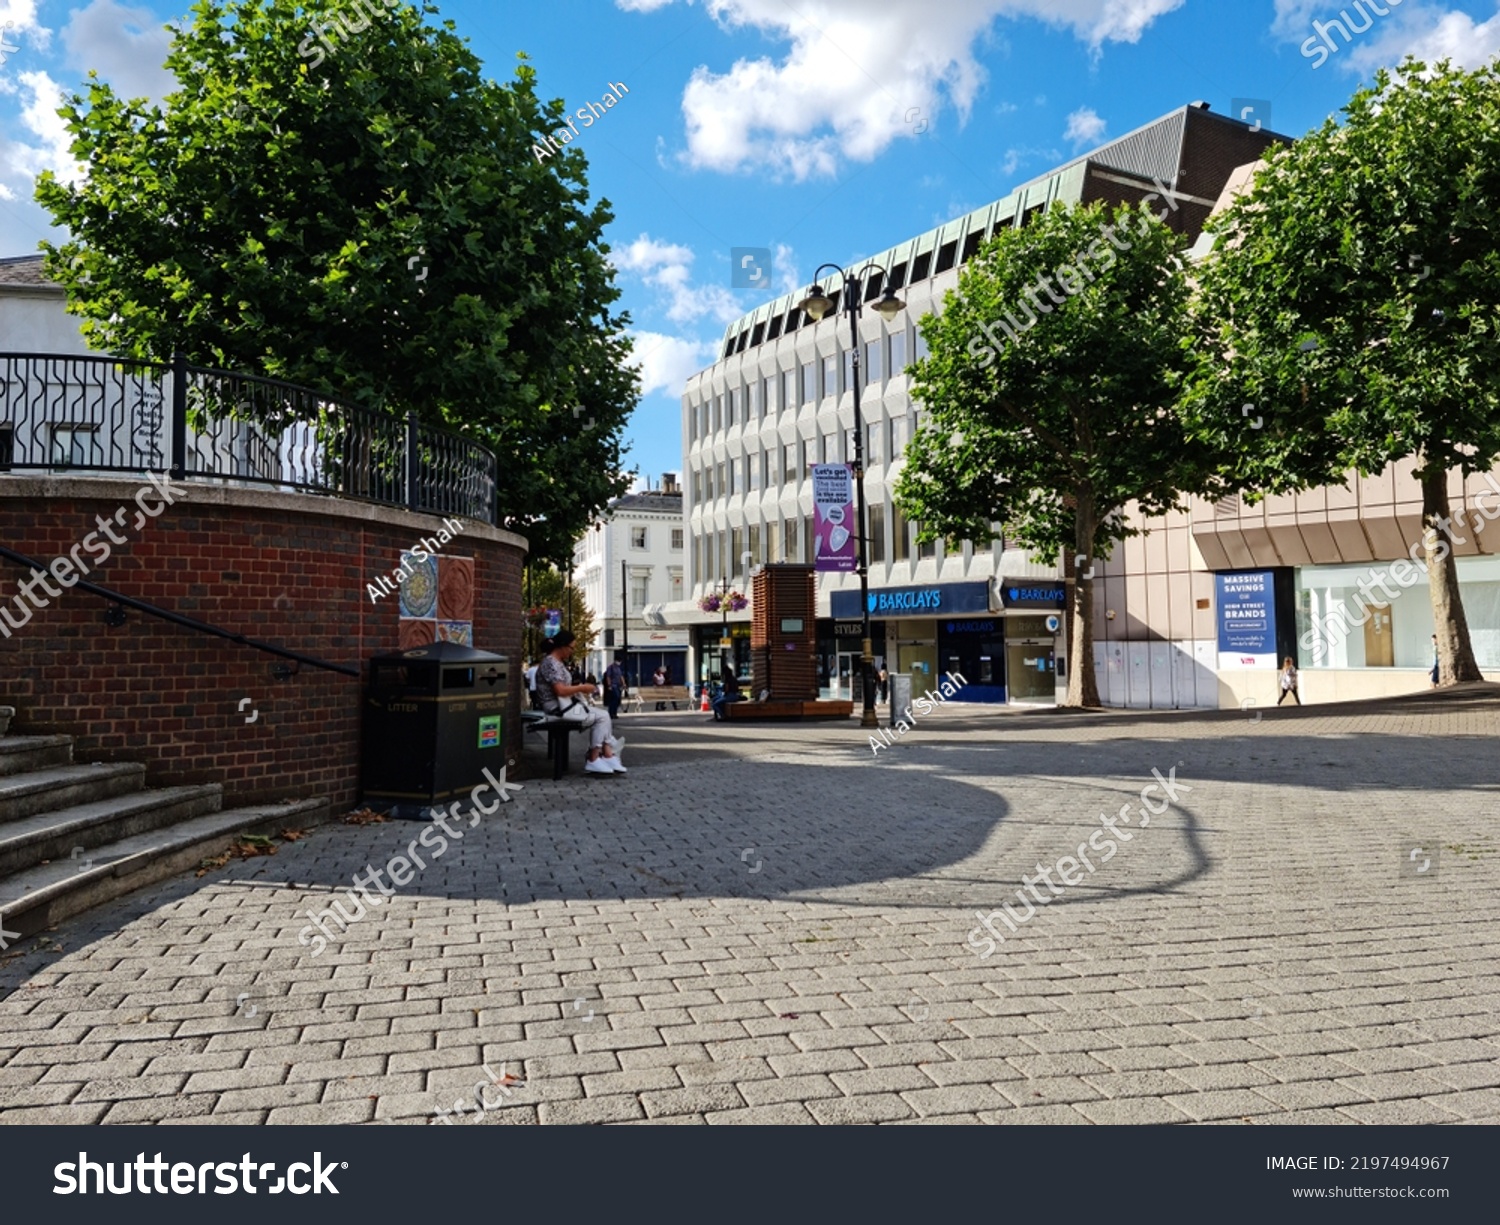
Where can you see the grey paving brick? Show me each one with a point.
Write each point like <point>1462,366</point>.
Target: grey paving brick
<point>619,1109</point>
<point>762,1116</point>
<point>700,1099</point>
<point>873,1108</point>
<point>1223,1104</point>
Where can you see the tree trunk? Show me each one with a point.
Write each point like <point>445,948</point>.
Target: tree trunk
<point>1083,685</point>
<point>1455,653</point>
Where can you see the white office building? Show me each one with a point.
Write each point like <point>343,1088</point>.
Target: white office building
<point>629,568</point>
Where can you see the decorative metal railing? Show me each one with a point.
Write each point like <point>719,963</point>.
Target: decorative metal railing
<point>108,414</point>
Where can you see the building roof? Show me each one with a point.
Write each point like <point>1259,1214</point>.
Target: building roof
<point>24,270</point>
<point>1153,151</point>
<point>667,503</point>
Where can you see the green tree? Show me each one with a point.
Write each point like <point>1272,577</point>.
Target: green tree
<point>360,212</point>
<point>547,587</point>
<point>1050,402</point>
<point>1351,298</point>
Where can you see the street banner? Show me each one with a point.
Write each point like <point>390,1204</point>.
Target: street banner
<point>835,532</point>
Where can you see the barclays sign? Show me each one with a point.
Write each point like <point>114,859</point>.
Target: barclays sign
<point>923,601</point>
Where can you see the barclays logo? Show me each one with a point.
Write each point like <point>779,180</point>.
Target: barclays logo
<point>903,601</point>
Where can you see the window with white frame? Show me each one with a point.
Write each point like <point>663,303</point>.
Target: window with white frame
<point>76,445</point>
<point>637,538</point>
<point>677,539</point>
<point>640,589</point>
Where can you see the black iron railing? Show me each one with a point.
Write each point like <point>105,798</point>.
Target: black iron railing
<point>108,414</point>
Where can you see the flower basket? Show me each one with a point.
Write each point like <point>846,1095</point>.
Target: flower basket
<point>729,601</point>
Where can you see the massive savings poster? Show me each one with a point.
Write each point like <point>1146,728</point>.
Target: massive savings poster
<point>835,532</point>
<point>1247,620</point>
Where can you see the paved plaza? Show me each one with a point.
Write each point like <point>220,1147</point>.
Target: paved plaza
<point>773,924</point>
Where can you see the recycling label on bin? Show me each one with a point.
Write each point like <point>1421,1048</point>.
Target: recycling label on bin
<point>489,732</point>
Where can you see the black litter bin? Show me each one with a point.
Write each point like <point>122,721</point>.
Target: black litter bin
<point>434,720</point>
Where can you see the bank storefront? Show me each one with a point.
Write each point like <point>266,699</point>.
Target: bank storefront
<point>999,637</point>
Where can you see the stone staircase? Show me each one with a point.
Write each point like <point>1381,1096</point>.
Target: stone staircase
<point>73,836</point>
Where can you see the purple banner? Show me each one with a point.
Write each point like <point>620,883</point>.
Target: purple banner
<point>835,539</point>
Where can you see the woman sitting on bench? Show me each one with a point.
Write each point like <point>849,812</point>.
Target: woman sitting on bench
<point>561,699</point>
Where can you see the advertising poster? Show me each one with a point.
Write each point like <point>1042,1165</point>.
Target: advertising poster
<point>1247,620</point>
<point>835,543</point>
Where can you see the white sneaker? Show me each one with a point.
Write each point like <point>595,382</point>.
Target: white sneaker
<point>616,764</point>
<point>600,765</point>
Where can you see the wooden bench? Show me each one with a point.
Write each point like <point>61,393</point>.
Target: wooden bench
<point>557,731</point>
<point>776,708</point>
<point>667,693</point>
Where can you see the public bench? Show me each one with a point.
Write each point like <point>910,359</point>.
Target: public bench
<point>557,731</point>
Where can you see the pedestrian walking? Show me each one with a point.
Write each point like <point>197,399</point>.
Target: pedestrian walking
<point>614,688</point>
<point>659,681</point>
<point>1436,663</point>
<point>1288,682</point>
<point>536,703</point>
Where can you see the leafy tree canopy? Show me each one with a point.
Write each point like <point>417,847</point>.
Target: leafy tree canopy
<point>1049,388</point>
<point>369,221</point>
<point>1354,299</point>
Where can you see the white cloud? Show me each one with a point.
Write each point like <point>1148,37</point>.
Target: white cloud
<point>667,267</point>
<point>1428,31</point>
<point>126,46</point>
<point>854,70</point>
<point>667,362</point>
<point>1016,158</point>
<point>18,18</point>
<point>1429,34</point>
<point>42,97</point>
<point>1084,128</point>
<point>784,269</point>
<point>43,146</point>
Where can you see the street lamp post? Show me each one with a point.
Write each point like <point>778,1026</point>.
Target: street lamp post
<point>816,305</point>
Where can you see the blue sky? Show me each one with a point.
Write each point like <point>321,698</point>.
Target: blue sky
<point>823,130</point>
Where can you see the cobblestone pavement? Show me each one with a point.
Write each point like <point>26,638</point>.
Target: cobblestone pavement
<point>773,924</point>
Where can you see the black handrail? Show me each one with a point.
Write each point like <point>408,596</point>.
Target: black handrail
<point>90,412</point>
<point>201,627</point>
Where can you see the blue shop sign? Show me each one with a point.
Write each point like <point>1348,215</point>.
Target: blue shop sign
<point>937,599</point>
<point>1247,614</point>
<point>1029,593</point>
<point>969,627</point>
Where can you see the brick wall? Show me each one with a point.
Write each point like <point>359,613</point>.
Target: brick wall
<point>289,570</point>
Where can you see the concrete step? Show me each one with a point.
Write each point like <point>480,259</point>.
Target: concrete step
<point>72,833</point>
<point>25,795</point>
<point>48,893</point>
<point>19,754</point>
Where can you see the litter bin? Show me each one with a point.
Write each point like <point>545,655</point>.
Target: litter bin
<point>434,719</point>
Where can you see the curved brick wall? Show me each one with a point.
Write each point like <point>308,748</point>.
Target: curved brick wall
<point>287,569</point>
